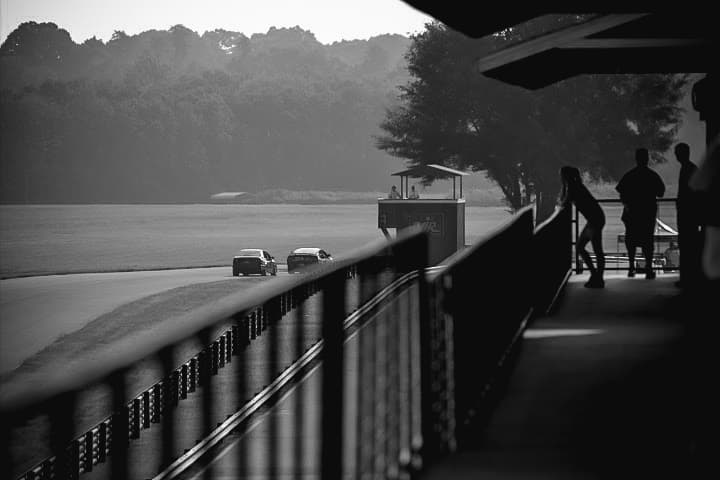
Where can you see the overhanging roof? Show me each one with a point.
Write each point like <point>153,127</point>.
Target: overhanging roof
<point>432,170</point>
<point>656,40</point>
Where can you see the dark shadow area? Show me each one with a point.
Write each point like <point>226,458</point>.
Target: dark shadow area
<point>613,384</point>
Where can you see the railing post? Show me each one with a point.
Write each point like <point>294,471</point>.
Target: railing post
<point>102,442</point>
<point>221,352</point>
<point>167,360</point>
<point>254,332</point>
<point>333,315</point>
<point>193,374</point>
<point>235,344</point>
<point>89,451</point>
<point>183,381</point>
<point>229,339</point>
<point>426,446</point>
<point>202,370</point>
<point>135,426</point>
<point>157,403</point>
<point>73,460</point>
<point>146,409</point>
<point>62,418</point>
<point>120,442</point>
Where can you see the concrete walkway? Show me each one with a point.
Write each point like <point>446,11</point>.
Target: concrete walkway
<point>599,390</point>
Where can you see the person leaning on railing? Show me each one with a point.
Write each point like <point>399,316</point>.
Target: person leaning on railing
<point>574,192</point>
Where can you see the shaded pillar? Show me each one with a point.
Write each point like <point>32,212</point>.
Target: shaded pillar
<point>706,101</point>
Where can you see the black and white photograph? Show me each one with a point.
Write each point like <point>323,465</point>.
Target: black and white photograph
<point>343,240</point>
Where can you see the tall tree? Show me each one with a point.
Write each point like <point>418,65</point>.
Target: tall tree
<point>450,114</point>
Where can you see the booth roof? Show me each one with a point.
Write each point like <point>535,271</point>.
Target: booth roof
<point>431,170</point>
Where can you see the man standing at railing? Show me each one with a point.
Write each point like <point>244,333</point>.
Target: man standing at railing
<point>639,190</point>
<point>688,219</point>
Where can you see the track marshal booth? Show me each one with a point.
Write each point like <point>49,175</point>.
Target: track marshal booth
<point>443,218</point>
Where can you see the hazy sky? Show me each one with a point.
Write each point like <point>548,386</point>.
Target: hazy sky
<point>330,20</point>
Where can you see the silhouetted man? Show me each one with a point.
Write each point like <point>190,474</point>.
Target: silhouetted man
<point>639,189</point>
<point>688,219</point>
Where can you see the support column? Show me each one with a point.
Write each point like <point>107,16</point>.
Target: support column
<point>706,101</point>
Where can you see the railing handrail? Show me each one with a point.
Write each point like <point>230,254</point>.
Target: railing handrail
<point>134,349</point>
<point>617,200</point>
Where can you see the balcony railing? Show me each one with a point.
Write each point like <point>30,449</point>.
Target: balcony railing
<point>406,352</point>
<point>616,255</point>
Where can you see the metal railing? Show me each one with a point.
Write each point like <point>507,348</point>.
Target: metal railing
<point>404,353</point>
<point>616,257</point>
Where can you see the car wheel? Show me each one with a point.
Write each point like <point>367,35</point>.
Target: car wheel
<point>263,272</point>
<point>235,272</point>
<point>274,272</point>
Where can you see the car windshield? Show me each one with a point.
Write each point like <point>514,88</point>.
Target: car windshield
<point>305,251</point>
<point>248,252</point>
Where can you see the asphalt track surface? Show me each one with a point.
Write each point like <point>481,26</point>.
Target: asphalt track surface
<point>35,311</point>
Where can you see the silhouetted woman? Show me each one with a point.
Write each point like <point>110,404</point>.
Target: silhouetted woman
<point>574,192</point>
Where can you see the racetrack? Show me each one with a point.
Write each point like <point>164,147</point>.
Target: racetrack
<point>36,311</point>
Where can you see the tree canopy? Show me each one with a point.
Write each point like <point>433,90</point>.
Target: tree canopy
<point>450,114</point>
<point>174,116</point>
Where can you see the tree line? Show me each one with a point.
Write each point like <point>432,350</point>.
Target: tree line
<point>173,116</point>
